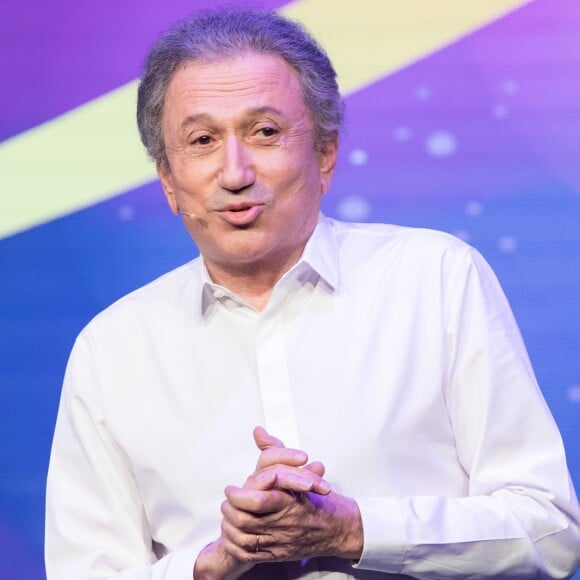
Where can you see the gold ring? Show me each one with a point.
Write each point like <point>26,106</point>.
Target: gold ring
<point>257,542</point>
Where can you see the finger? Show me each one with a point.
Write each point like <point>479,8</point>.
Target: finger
<point>316,467</point>
<point>321,486</point>
<point>262,481</point>
<point>294,479</point>
<point>300,480</point>
<point>291,479</point>
<point>264,440</point>
<point>248,546</point>
<point>245,546</point>
<point>282,455</point>
<point>253,502</point>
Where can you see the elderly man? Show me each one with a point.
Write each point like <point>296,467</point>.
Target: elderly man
<point>388,353</point>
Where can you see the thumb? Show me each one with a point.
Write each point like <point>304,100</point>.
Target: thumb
<point>264,440</point>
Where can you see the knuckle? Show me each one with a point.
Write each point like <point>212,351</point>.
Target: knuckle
<point>238,520</point>
<point>225,507</point>
<point>257,503</point>
<point>233,518</point>
<point>229,532</point>
<point>269,556</point>
<point>225,529</point>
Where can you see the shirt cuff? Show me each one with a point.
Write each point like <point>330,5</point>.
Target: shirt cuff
<point>384,535</point>
<point>180,565</point>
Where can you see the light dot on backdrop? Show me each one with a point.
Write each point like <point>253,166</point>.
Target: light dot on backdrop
<point>353,208</point>
<point>402,133</point>
<point>507,244</point>
<point>423,93</point>
<point>510,87</point>
<point>126,212</point>
<point>499,112</point>
<point>358,157</point>
<point>441,144</point>
<point>473,208</point>
<point>573,393</point>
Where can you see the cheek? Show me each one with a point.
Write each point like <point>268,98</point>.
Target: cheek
<point>297,171</point>
<point>192,178</point>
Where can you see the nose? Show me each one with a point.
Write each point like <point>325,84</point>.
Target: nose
<point>237,170</point>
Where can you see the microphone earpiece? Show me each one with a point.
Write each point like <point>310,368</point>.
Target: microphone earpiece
<point>188,214</point>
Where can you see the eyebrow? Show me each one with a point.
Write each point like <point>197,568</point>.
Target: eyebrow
<point>204,117</point>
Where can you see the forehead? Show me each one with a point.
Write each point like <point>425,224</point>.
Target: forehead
<point>228,87</point>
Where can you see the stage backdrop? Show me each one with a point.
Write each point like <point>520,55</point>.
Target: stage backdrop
<point>461,116</point>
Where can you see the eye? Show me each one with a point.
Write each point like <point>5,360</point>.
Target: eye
<point>267,131</point>
<point>266,134</point>
<point>202,140</point>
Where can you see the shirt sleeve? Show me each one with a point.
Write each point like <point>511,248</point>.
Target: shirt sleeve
<point>520,518</point>
<point>96,526</point>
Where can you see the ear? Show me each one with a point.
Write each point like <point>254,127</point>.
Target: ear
<point>327,162</point>
<point>166,179</point>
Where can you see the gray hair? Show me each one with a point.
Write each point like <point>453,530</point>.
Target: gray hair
<point>214,36</point>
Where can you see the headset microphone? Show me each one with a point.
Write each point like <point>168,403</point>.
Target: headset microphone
<point>190,215</point>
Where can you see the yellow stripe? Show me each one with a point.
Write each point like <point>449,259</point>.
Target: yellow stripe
<point>80,158</point>
<point>93,153</point>
<point>368,39</point>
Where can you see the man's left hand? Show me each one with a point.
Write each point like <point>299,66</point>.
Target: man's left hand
<point>286,512</point>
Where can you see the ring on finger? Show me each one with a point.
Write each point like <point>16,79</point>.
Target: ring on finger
<point>257,542</point>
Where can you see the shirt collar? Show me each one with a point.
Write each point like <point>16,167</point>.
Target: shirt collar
<point>321,252</point>
<point>320,256</point>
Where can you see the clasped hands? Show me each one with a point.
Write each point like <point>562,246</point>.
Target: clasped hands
<point>284,511</point>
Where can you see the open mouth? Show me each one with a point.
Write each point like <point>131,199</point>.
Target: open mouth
<point>243,215</point>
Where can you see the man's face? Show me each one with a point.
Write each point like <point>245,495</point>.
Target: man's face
<point>242,158</point>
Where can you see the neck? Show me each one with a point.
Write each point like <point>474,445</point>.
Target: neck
<point>252,282</point>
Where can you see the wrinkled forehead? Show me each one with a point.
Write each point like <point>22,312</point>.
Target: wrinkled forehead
<point>228,85</point>
<point>239,59</point>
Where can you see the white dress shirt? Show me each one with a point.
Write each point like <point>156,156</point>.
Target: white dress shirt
<point>388,353</point>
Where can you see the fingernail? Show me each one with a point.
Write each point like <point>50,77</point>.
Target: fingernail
<point>301,456</point>
<point>324,486</point>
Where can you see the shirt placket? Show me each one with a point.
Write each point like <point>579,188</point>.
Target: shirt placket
<point>274,379</point>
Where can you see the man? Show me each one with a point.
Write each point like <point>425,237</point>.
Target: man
<point>388,353</point>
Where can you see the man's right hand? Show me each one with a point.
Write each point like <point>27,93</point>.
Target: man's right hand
<point>282,470</point>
